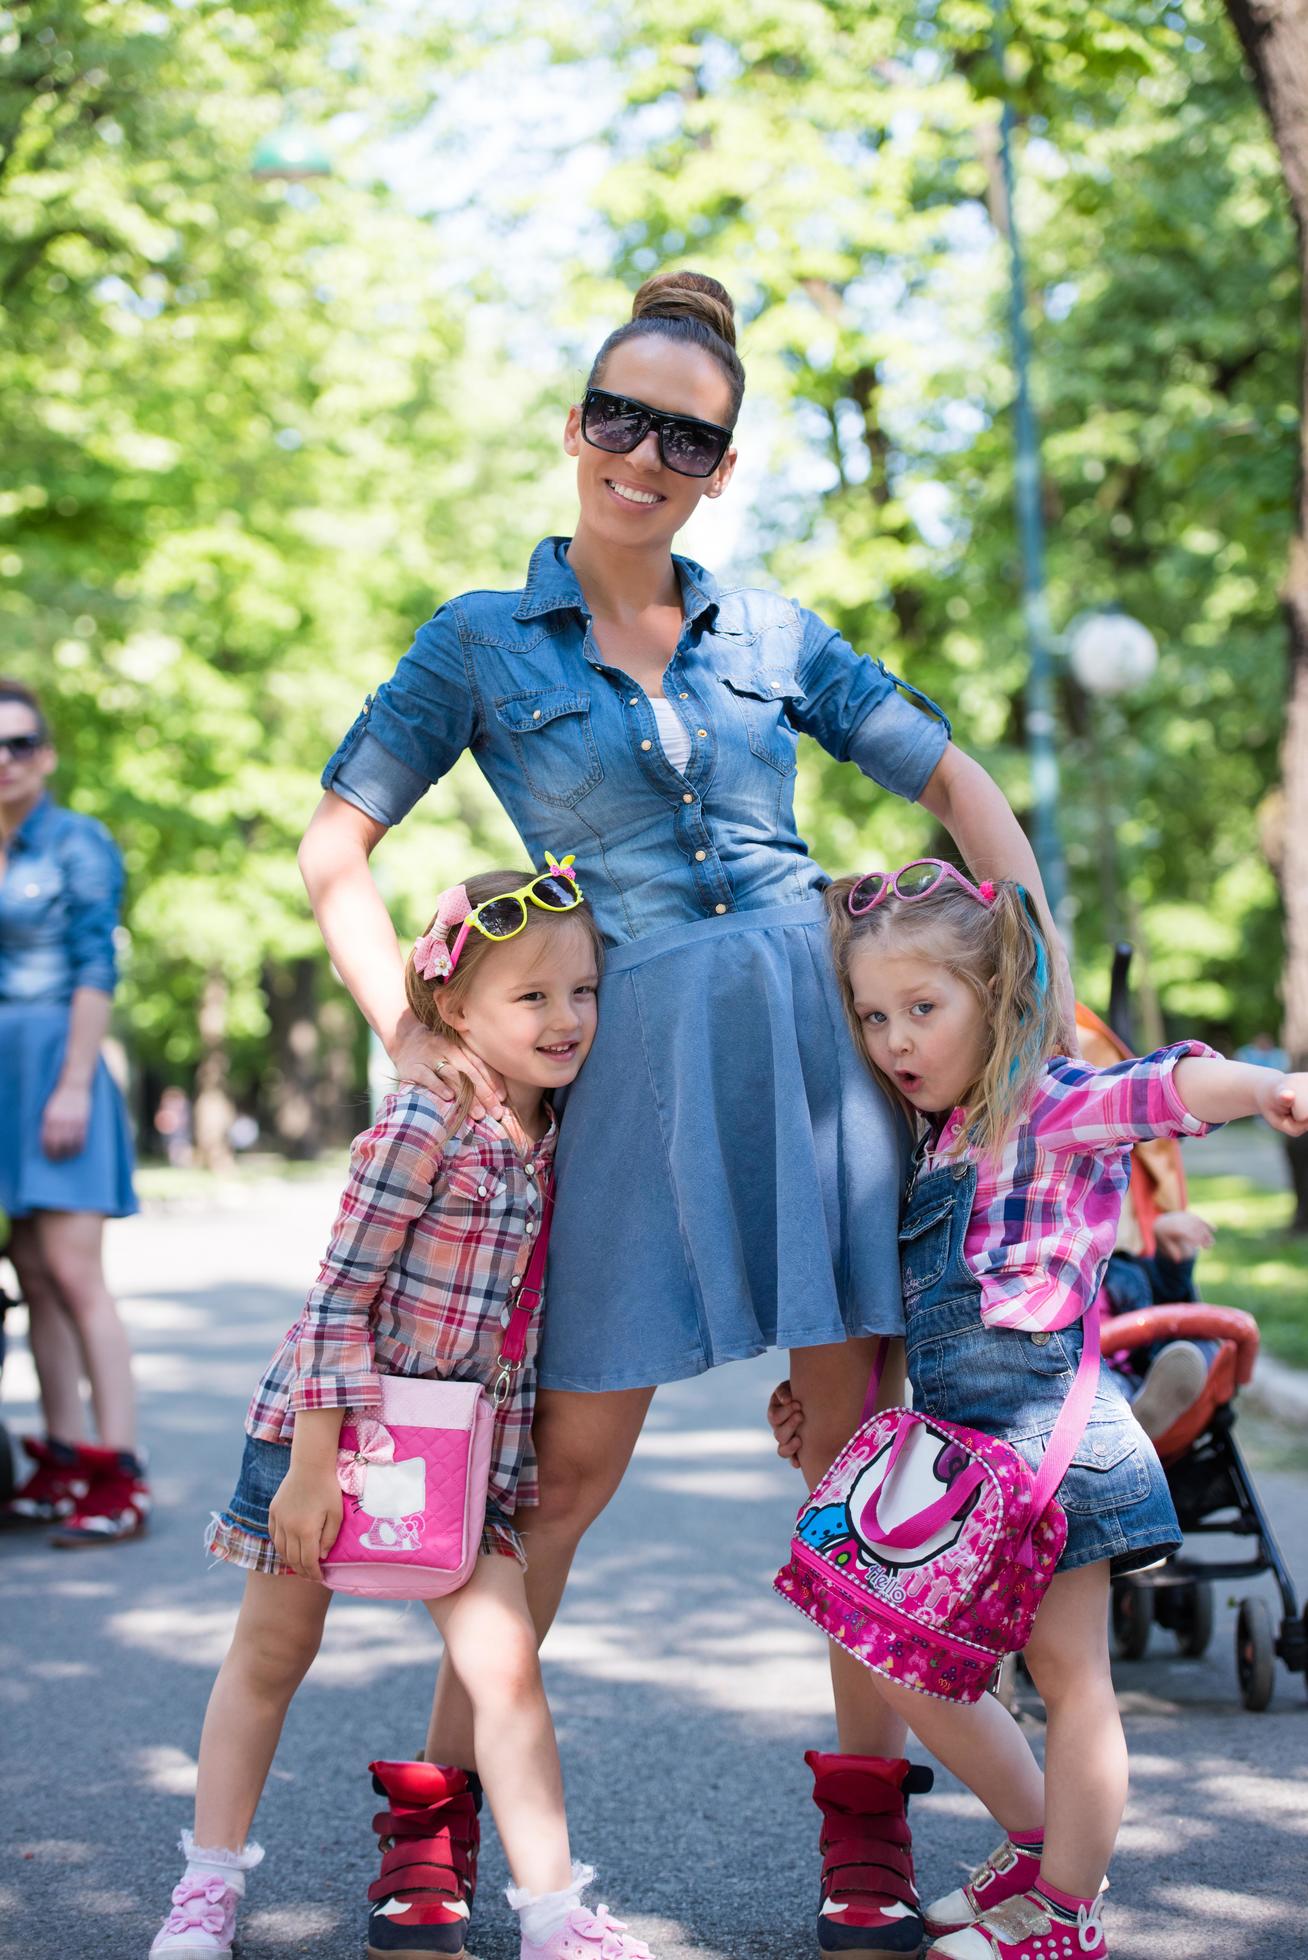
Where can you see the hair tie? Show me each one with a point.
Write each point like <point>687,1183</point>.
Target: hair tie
<point>431,953</point>
<point>987,890</point>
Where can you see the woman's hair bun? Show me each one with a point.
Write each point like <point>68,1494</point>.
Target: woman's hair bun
<point>687,296</point>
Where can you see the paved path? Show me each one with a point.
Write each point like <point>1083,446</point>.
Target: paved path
<point>685,1695</point>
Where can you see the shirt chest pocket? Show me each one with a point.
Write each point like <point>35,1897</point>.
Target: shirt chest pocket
<point>550,733</point>
<point>474,1202</point>
<point>760,701</point>
<point>29,889</point>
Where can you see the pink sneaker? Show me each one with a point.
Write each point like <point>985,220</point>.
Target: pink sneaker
<point>1009,1870</point>
<point>1026,1928</point>
<point>586,1935</point>
<point>202,1923</point>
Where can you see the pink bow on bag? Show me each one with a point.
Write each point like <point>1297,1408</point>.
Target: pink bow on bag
<point>374,1444</point>
<point>431,953</point>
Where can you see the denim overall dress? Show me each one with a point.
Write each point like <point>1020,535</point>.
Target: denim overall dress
<point>1012,1385</point>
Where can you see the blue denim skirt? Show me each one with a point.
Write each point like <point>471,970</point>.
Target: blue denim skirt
<point>239,1535</point>
<point>728,1171</point>
<point>33,1037</point>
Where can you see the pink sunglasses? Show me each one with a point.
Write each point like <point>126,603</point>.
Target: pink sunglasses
<point>915,880</point>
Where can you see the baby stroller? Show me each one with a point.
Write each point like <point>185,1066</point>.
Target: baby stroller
<point>1206,1471</point>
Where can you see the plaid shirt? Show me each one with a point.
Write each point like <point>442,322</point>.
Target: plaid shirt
<point>432,1230</point>
<point>1045,1215</point>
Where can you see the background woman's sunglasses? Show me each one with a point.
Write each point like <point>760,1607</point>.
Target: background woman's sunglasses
<point>618,424</point>
<point>19,746</point>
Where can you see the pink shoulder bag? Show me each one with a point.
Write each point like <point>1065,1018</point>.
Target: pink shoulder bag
<point>927,1547</point>
<point>415,1471</point>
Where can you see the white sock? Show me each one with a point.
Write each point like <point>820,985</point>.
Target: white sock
<point>540,1914</point>
<point>232,1866</point>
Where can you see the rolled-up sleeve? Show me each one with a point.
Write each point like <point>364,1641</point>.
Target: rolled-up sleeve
<point>393,1171</point>
<point>93,893</point>
<point>412,731</point>
<point>1084,1108</point>
<point>862,713</point>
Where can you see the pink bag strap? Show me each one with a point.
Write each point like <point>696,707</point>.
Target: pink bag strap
<point>526,1300</point>
<point>1067,1431</point>
<point>922,1525</point>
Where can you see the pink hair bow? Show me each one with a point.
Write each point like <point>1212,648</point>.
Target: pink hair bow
<point>431,953</point>
<point>374,1444</point>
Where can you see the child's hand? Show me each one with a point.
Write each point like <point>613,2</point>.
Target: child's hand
<point>304,1518</point>
<point>786,1416</point>
<point>1181,1235</point>
<point>1284,1104</point>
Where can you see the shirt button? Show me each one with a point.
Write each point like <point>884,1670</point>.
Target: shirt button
<point>516,1280</point>
<point>535,714</point>
<point>688,798</point>
<point>530,1169</point>
<point>700,856</point>
<point>482,1191</point>
<point>647,745</point>
<point>719,908</point>
<point>634,701</point>
<point>683,697</point>
<point>530,1228</point>
<point>702,733</point>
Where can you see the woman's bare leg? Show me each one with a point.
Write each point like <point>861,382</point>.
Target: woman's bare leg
<point>51,1336</point>
<point>831,1384</point>
<point>583,1446</point>
<point>70,1244</point>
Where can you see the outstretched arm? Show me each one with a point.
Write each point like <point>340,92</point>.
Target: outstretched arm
<point>1216,1091</point>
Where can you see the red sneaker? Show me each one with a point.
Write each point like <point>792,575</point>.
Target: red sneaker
<point>869,1908</point>
<point>429,1837</point>
<point>55,1486</point>
<point>116,1505</point>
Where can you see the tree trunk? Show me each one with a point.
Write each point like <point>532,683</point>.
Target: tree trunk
<point>213,1106</point>
<point>291,1089</point>
<point>1274,36</point>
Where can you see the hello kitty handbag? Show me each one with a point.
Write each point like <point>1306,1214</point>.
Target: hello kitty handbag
<point>927,1547</point>
<point>415,1471</point>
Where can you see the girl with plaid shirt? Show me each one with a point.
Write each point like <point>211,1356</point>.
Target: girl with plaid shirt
<point>435,1229</point>
<point>1022,1167</point>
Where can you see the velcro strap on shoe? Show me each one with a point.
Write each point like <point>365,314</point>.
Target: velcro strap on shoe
<point>457,1821</point>
<point>881,1871</point>
<point>422,1865</point>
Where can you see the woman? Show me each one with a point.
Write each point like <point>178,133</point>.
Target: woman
<point>625,707</point>
<point>65,1151</point>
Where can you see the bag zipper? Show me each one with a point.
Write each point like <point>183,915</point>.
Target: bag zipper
<point>972,1649</point>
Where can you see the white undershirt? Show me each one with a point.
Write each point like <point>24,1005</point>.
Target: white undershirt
<point>672,736</point>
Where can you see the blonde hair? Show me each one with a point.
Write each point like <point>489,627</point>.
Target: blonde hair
<point>430,999</point>
<point>998,951</point>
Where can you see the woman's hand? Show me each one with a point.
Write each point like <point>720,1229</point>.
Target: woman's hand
<point>436,1063</point>
<point>64,1121</point>
<point>1284,1103</point>
<point>786,1416</point>
<point>305,1516</point>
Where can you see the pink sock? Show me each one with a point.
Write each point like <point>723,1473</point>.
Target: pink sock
<point>1067,1902</point>
<point>1032,1841</point>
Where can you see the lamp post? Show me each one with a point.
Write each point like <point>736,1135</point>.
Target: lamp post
<point>1031,530</point>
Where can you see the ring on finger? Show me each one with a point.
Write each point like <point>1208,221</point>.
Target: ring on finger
<point>439,1067</point>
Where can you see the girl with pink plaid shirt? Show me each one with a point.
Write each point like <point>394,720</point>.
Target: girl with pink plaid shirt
<point>435,1229</point>
<point>1022,1167</point>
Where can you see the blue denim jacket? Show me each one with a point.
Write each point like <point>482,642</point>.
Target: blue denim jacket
<point>59,897</point>
<point>570,745</point>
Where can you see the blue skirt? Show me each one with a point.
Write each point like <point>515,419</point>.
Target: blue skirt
<point>729,1174</point>
<point>33,1036</point>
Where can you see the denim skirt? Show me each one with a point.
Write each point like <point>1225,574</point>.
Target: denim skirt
<point>33,1037</point>
<point>239,1535</point>
<point>728,1171</point>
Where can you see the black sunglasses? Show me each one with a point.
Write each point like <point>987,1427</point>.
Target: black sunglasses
<point>20,745</point>
<point>686,445</point>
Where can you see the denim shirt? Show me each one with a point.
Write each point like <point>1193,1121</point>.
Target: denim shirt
<point>570,746</point>
<point>60,891</point>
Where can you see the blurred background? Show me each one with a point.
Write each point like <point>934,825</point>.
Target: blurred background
<point>295,297</point>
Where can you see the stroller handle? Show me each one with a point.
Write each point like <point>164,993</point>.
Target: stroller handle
<point>1190,1322</point>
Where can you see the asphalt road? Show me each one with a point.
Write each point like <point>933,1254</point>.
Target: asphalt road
<point>685,1693</point>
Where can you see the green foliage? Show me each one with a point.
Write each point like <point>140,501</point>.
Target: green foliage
<point>1255,1262</point>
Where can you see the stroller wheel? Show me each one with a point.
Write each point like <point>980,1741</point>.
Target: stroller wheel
<point>1193,1625</point>
<point>1255,1654</point>
<point>1133,1615</point>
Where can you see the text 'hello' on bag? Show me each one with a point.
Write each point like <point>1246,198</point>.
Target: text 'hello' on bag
<point>415,1471</point>
<point>927,1547</point>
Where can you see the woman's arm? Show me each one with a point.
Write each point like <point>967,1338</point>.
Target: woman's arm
<point>68,1111</point>
<point>976,813</point>
<point>1216,1091</point>
<point>360,937</point>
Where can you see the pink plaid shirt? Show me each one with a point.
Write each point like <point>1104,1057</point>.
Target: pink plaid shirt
<point>432,1230</point>
<point>1045,1216</point>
